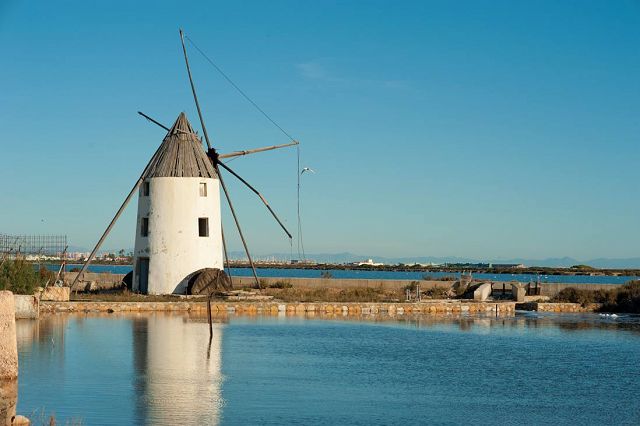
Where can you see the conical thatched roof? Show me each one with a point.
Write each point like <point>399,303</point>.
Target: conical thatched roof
<point>181,154</point>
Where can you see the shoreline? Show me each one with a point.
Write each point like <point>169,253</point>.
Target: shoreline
<point>532,270</point>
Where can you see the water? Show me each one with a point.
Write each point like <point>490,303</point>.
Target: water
<point>159,369</point>
<point>385,275</point>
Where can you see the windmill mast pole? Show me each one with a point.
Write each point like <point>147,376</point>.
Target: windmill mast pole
<point>193,89</point>
<point>213,156</point>
<point>235,218</point>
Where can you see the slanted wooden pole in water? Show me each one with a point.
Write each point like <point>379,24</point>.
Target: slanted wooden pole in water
<point>209,316</point>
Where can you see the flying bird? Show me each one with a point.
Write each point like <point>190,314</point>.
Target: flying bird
<point>307,169</point>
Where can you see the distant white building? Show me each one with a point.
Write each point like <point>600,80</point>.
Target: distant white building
<point>369,262</point>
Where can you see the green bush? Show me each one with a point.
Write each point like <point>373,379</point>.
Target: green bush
<point>19,277</point>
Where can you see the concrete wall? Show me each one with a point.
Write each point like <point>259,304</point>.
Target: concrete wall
<point>275,308</point>
<point>173,246</point>
<point>8,343</point>
<point>26,306</point>
<point>558,307</point>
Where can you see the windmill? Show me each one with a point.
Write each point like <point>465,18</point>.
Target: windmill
<point>180,245</point>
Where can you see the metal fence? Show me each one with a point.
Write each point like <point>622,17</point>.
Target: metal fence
<point>46,245</point>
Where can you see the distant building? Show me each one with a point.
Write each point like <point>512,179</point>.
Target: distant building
<point>507,265</point>
<point>368,262</point>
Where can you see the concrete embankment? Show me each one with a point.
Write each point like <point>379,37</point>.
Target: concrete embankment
<point>106,280</point>
<point>558,307</point>
<point>8,359</point>
<point>268,308</point>
<point>8,343</point>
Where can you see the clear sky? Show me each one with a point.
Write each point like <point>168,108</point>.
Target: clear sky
<point>482,129</point>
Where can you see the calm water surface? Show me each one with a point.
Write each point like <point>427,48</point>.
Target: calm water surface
<point>386,275</point>
<point>161,369</point>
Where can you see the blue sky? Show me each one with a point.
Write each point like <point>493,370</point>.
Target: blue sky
<point>481,129</point>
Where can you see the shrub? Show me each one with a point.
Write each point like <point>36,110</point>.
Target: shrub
<point>573,295</point>
<point>19,277</point>
<point>412,286</point>
<point>627,299</point>
<point>621,299</point>
<point>428,277</point>
<point>46,276</point>
<point>281,284</point>
<point>437,293</point>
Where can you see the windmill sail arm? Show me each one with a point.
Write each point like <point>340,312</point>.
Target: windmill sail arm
<point>264,200</point>
<point>253,151</point>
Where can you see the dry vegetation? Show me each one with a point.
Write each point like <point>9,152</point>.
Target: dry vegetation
<point>127,296</point>
<point>305,294</point>
<point>620,299</point>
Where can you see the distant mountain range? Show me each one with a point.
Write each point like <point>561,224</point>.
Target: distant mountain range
<point>347,257</point>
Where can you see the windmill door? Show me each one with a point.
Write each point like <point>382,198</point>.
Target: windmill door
<point>143,267</point>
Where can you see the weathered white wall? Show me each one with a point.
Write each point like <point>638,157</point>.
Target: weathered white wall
<point>27,306</point>
<point>174,248</point>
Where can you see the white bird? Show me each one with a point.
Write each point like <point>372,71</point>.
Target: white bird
<point>307,169</point>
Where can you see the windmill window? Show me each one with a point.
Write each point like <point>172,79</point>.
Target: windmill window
<point>203,226</point>
<point>144,227</point>
<point>145,189</point>
<point>203,189</point>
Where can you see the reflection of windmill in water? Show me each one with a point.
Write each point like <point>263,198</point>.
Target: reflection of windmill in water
<point>180,242</point>
<point>177,370</point>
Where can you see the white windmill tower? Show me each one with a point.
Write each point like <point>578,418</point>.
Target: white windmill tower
<point>179,244</point>
<point>178,228</point>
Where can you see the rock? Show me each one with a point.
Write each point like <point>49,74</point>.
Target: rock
<point>55,294</point>
<point>482,293</point>
<point>20,421</point>
<point>91,286</point>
